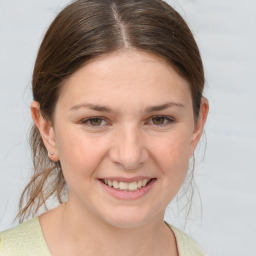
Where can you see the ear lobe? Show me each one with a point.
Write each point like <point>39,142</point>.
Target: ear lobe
<point>199,126</point>
<point>46,130</point>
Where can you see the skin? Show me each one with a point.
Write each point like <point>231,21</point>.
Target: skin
<point>130,139</point>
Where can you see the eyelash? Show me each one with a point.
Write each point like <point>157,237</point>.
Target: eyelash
<point>167,120</point>
<point>87,122</point>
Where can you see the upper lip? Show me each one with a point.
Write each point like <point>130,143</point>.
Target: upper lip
<point>125,179</point>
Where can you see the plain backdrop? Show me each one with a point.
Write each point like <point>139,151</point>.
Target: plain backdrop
<point>226,33</point>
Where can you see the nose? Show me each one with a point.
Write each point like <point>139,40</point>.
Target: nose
<point>128,149</point>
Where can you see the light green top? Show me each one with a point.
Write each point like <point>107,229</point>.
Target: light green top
<point>27,240</point>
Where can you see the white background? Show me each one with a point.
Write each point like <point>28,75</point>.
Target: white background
<point>226,33</point>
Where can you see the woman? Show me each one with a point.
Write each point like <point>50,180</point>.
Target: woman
<point>118,112</point>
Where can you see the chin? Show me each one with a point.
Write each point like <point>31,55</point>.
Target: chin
<point>128,218</point>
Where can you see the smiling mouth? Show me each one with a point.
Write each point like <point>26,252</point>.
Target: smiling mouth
<point>127,186</point>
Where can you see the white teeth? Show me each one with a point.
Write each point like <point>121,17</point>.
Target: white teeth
<point>132,186</point>
<point>123,185</point>
<point>115,184</point>
<point>139,184</point>
<point>144,182</point>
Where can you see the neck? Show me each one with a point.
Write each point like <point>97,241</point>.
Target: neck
<point>86,232</point>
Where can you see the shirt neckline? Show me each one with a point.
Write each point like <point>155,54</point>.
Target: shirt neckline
<point>44,243</point>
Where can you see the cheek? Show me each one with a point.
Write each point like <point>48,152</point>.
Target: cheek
<point>173,154</point>
<point>79,154</point>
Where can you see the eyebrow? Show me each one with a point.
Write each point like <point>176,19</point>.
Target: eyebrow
<point>163,106</point>
<point>91,106</point>
<point>149,109</point>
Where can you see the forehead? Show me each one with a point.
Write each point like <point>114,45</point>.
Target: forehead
<point>128,77</point>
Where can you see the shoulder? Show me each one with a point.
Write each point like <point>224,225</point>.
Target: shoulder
<point>24,240</point>
<point>186,245</point>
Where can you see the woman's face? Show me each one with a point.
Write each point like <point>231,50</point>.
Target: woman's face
<point>124,131</point>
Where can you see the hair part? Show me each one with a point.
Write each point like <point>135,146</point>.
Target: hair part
<point>82,31</point>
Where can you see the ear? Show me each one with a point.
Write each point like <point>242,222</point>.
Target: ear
<point>199,125</point>
<point>46,130</point>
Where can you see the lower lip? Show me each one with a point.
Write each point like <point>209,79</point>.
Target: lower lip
<point>128,195</point>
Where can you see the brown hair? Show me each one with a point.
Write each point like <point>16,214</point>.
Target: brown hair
<point>84,30</point>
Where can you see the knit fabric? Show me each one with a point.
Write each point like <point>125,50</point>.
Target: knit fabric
<point>186,245</point>
<point>27,240</point>
<point>24,240</point>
